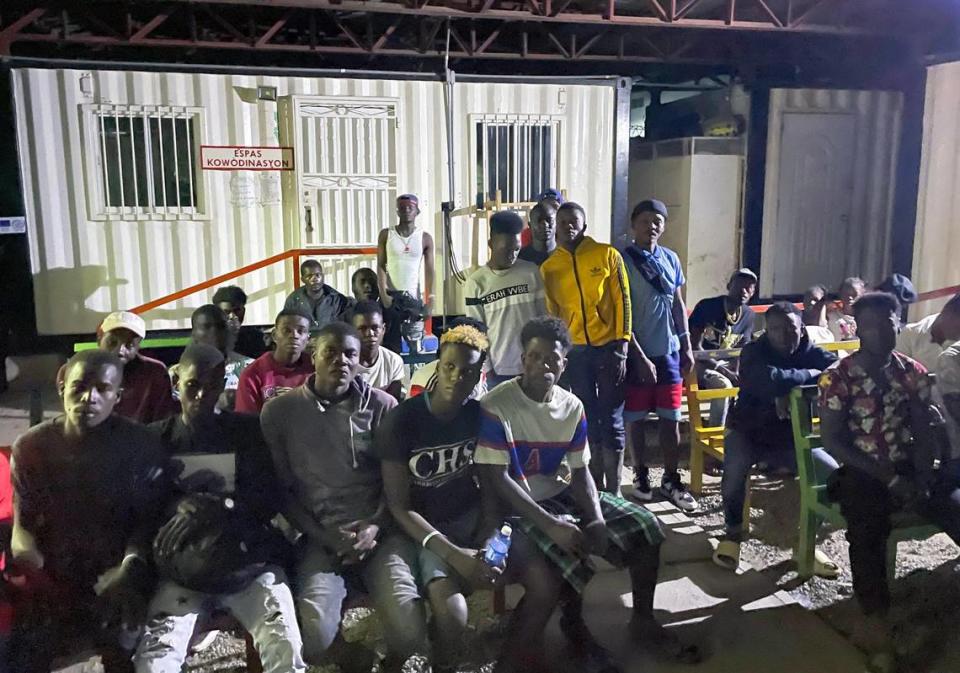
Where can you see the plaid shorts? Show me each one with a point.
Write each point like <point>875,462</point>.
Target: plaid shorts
<point>628,526</point>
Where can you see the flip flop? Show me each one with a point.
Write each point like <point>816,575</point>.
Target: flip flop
<point>882,662</point>
<point>727,555</point>
<point>666,645</point>
<point>823,566</point>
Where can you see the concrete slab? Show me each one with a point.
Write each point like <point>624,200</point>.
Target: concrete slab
<point>742,623</point>
<point>15,411</point>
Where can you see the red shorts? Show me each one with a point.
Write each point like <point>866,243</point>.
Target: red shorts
<point>664,399</point>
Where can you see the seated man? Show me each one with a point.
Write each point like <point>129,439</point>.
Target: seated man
<point>815,301</point>
<point>426,446</point>
<point>425,377</point>
<point>379,367</point>
<point>533,449</point>
<point>280,370</point>
<point>248,341</point>
<point>90,488</point>
<point>875,418</point>
<point>222,453</point>
<point>315,298</point>
<point>759,428</point>
<point>947,392</point>
<point>366,288</point>
<point>841,322</point>
<point>926,339</point>
<point>504,294</point>
<point>209,325</point>
<point>721,323</point>
<point>320,438</point>
<point>146,392</point>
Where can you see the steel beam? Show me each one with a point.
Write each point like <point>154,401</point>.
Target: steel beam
<point>413,28</point>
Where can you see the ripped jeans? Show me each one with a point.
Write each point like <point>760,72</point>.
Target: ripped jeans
<point>264,608</point>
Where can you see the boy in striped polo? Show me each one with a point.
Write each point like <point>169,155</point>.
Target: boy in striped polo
<point>534,451</point>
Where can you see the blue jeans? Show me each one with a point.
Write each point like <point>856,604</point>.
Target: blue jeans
<point>740,454</point>
<point>591,377</point>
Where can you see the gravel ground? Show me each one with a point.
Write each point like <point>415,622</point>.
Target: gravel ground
<point>926,594</point>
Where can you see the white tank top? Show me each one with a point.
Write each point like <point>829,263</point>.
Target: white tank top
<point>404,258</point>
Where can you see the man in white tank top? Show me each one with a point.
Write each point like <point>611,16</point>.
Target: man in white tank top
<point>402,251</point>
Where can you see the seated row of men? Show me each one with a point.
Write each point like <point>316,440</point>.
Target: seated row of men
<point>882,452</point>
<point>397,497</point>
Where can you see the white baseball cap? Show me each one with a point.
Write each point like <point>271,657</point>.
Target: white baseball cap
<point>126,320</point>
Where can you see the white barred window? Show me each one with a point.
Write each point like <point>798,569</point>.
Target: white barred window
<point>143,162</point>
<point>517,154</point>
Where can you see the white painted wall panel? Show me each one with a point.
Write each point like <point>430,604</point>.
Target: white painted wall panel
<point>878,115</point>
<point>83,267</point>
<point>936,248</point>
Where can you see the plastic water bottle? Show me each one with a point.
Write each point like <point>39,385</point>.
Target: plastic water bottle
<point>498,547</point>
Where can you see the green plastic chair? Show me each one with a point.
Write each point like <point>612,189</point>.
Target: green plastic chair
<point>815,506</point>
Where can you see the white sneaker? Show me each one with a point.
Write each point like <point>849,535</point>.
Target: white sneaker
<point>677,493</point>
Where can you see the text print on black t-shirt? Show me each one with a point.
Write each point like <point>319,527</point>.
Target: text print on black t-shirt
<point>435,465</point>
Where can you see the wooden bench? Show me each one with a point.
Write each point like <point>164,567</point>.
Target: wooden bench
<point>815,506</point>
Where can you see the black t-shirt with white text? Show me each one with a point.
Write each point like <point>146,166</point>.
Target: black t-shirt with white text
<point>438,455</point>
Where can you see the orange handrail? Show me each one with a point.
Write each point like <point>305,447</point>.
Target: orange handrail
<point>294,254</point>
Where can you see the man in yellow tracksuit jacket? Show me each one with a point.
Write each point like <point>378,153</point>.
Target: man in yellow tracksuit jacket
<point>586,287</point>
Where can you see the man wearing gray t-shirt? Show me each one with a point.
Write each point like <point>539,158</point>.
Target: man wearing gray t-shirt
<point>320,436</point>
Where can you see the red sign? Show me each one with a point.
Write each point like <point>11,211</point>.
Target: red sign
<point>245,158</point>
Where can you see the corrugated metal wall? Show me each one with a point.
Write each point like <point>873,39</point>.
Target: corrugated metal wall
<point>877,115</point>
<point>84,267</point>
<point>936,247</point>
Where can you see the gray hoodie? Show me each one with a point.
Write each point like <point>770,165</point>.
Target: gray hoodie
<point>323,454</point>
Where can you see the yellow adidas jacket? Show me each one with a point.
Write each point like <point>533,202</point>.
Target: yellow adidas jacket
<point>590,292</point>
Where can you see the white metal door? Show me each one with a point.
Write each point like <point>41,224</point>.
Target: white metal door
<point>348,169</point>
<point>814,200</point>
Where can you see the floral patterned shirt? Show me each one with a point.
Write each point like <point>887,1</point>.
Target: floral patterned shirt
<point>878,421</point>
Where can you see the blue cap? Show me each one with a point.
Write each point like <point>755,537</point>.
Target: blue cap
<point>551,193</point>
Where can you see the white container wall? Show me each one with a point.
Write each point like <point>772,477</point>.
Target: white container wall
<point>936,247</point>
<point>700,180</point>
<point>120,213</point>
<point>830,181</point>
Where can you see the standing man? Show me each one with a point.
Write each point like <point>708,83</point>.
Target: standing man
<point>587,288</point>
<point>90,488</point>
<point>661,353</point>
<point>147,393</point>
<point>315,298</point>
<point>543,226</point>
<point>379,367</point>
<point>320,436</point>
<point>721,323</point>
<point>505,294</point>
<point>248,341</point>
<point>280,370</point>
<point>402,251</point>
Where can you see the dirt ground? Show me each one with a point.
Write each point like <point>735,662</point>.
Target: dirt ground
<point>926,594</point>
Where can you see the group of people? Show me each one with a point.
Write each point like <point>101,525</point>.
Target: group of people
<point>271,483</point>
